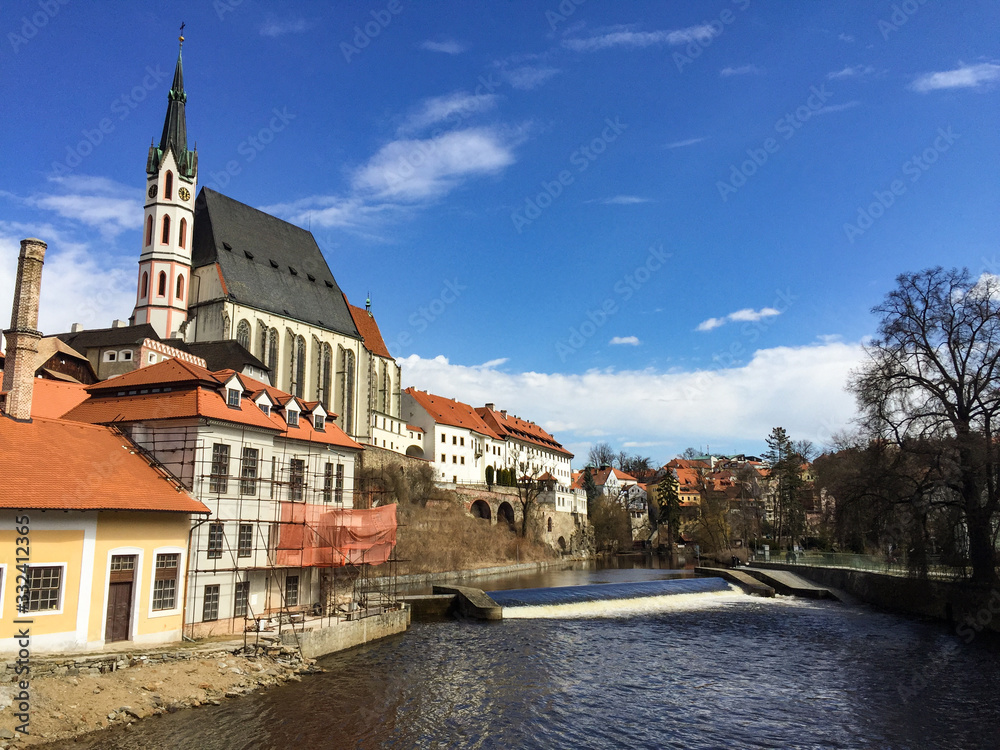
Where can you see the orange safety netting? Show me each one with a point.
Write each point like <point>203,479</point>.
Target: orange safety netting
<point>316,536</point>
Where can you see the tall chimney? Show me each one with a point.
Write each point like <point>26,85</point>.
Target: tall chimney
<point>23,334</point>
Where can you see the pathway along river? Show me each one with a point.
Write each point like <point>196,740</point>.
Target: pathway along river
<point>717,669</point>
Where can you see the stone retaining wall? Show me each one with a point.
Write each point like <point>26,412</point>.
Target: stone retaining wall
<point>969,608</point>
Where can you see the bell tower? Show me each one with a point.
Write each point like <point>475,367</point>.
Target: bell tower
<point>168,220</point>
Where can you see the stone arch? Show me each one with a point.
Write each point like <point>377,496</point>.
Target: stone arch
<point>562,543</point>
<point>505,512</point>
<point>481,509</point>
<point>416,451</point>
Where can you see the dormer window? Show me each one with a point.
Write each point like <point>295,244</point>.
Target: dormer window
<point>319,421</point>
<point>233,397</point>
<point>292,418</point>
<point>266,408</point>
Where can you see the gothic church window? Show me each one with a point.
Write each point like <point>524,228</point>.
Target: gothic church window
<point>180,287</point>
<point>161,285</point>
<point>182,234</point>
<point>149,231</point>
<point>165,234</point>
<point>168,187</point>
<point>145,284</point>
<point>243,334</point>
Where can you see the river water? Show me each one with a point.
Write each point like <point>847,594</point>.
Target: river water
<point>690,669</point>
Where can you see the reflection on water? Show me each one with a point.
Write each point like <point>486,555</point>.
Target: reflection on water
<point>743,673</point>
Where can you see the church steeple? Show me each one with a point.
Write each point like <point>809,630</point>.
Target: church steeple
<point>174,137</point>
<point>162,287</point>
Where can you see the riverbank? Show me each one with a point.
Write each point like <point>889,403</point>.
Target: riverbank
<point>74,697</point>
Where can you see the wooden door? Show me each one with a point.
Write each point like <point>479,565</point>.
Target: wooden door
<point>119,611</point>
<point>119,617</point>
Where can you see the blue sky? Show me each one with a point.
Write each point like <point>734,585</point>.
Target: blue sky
<point>658,225</point>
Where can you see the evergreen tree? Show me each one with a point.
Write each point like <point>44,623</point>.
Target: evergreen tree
<point>668,502</point>
<point>489,477</point>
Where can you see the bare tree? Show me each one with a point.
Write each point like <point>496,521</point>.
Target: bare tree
<point>932,380</point>
<point>601,454</point>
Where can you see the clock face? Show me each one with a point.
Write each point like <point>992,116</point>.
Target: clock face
<point>183,194</point>
<point>152,191</point>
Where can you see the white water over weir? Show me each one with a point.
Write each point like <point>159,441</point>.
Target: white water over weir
<point>617,599</point>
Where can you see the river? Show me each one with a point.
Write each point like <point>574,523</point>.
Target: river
<point>717,669</point>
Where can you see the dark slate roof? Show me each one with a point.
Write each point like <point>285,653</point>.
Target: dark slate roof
<point>100,337</point>
<point>268,263</point>
<point>221,355</point>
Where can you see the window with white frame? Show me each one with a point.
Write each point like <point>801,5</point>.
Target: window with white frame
<point>292,591</point>
<point>248,471</point>
<point>110,356</point>
<point>233,397</point>
<point>296,478</point>
<point>44,588</point>
<point>165,581</point>
<point>215,537</point>
<point>319,421</point>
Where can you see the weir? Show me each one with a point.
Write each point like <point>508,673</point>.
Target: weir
<point>613,599</point>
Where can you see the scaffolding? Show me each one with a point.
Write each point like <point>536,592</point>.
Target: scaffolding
<point>293,542</point>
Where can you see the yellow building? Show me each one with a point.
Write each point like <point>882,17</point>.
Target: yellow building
<point>93,538</point>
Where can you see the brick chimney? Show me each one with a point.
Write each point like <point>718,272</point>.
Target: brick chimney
<point>23,334</point>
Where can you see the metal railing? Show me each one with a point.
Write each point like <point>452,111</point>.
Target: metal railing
<point>872,563</point>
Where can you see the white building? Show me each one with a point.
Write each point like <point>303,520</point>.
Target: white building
<point>260,459</point>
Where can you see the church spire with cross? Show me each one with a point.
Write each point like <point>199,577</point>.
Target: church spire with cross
<point>174,136</point>
<point>162,287</point>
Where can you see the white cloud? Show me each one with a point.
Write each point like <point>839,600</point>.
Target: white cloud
<point>98,202</point>
<point>404,174</point>
<point>528,77</point>
<point>449,47</point>
<point>851,71</point>
<point>708,325</point>
<point>966,76</point>
<point>273,27</point>
<point>622,200</point>
<point>684,144</point>
<point>81,282</point>
<point>625,340</point>
<point>411,170</point>
<point>625,37</point>
<point>846,38</point>
<point>746,315</point>
<point>837,107</point>
<point>799,388</point>
<point>449,107</point>
<point>742,70</point>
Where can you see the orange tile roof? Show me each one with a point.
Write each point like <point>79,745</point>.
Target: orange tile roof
<point>196,392</point>
<point>97,469</point>
<point>168,372</point>
<point>547,477</point>
<point>452,413</point>
<point>53,398</point>
<point>601,476</point>
<point>369,331</point>
<point>414,428</point>
<point>509,425</point>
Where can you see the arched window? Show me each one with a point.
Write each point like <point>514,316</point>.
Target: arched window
<point>145,285</point>
<point>298,387</point>
<point>348,391</point>
<point>168,187</point>
<point>243,334</point>
<point>165,234</point>
<point>149,230</point>
<point>550,525</point>
<point>182,234</point>
<point>161,284</point>
<point>325,366</point>
<point>180,286</point>
<point>272,353</point>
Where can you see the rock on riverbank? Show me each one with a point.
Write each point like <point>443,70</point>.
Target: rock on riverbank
<point>68,705</point>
